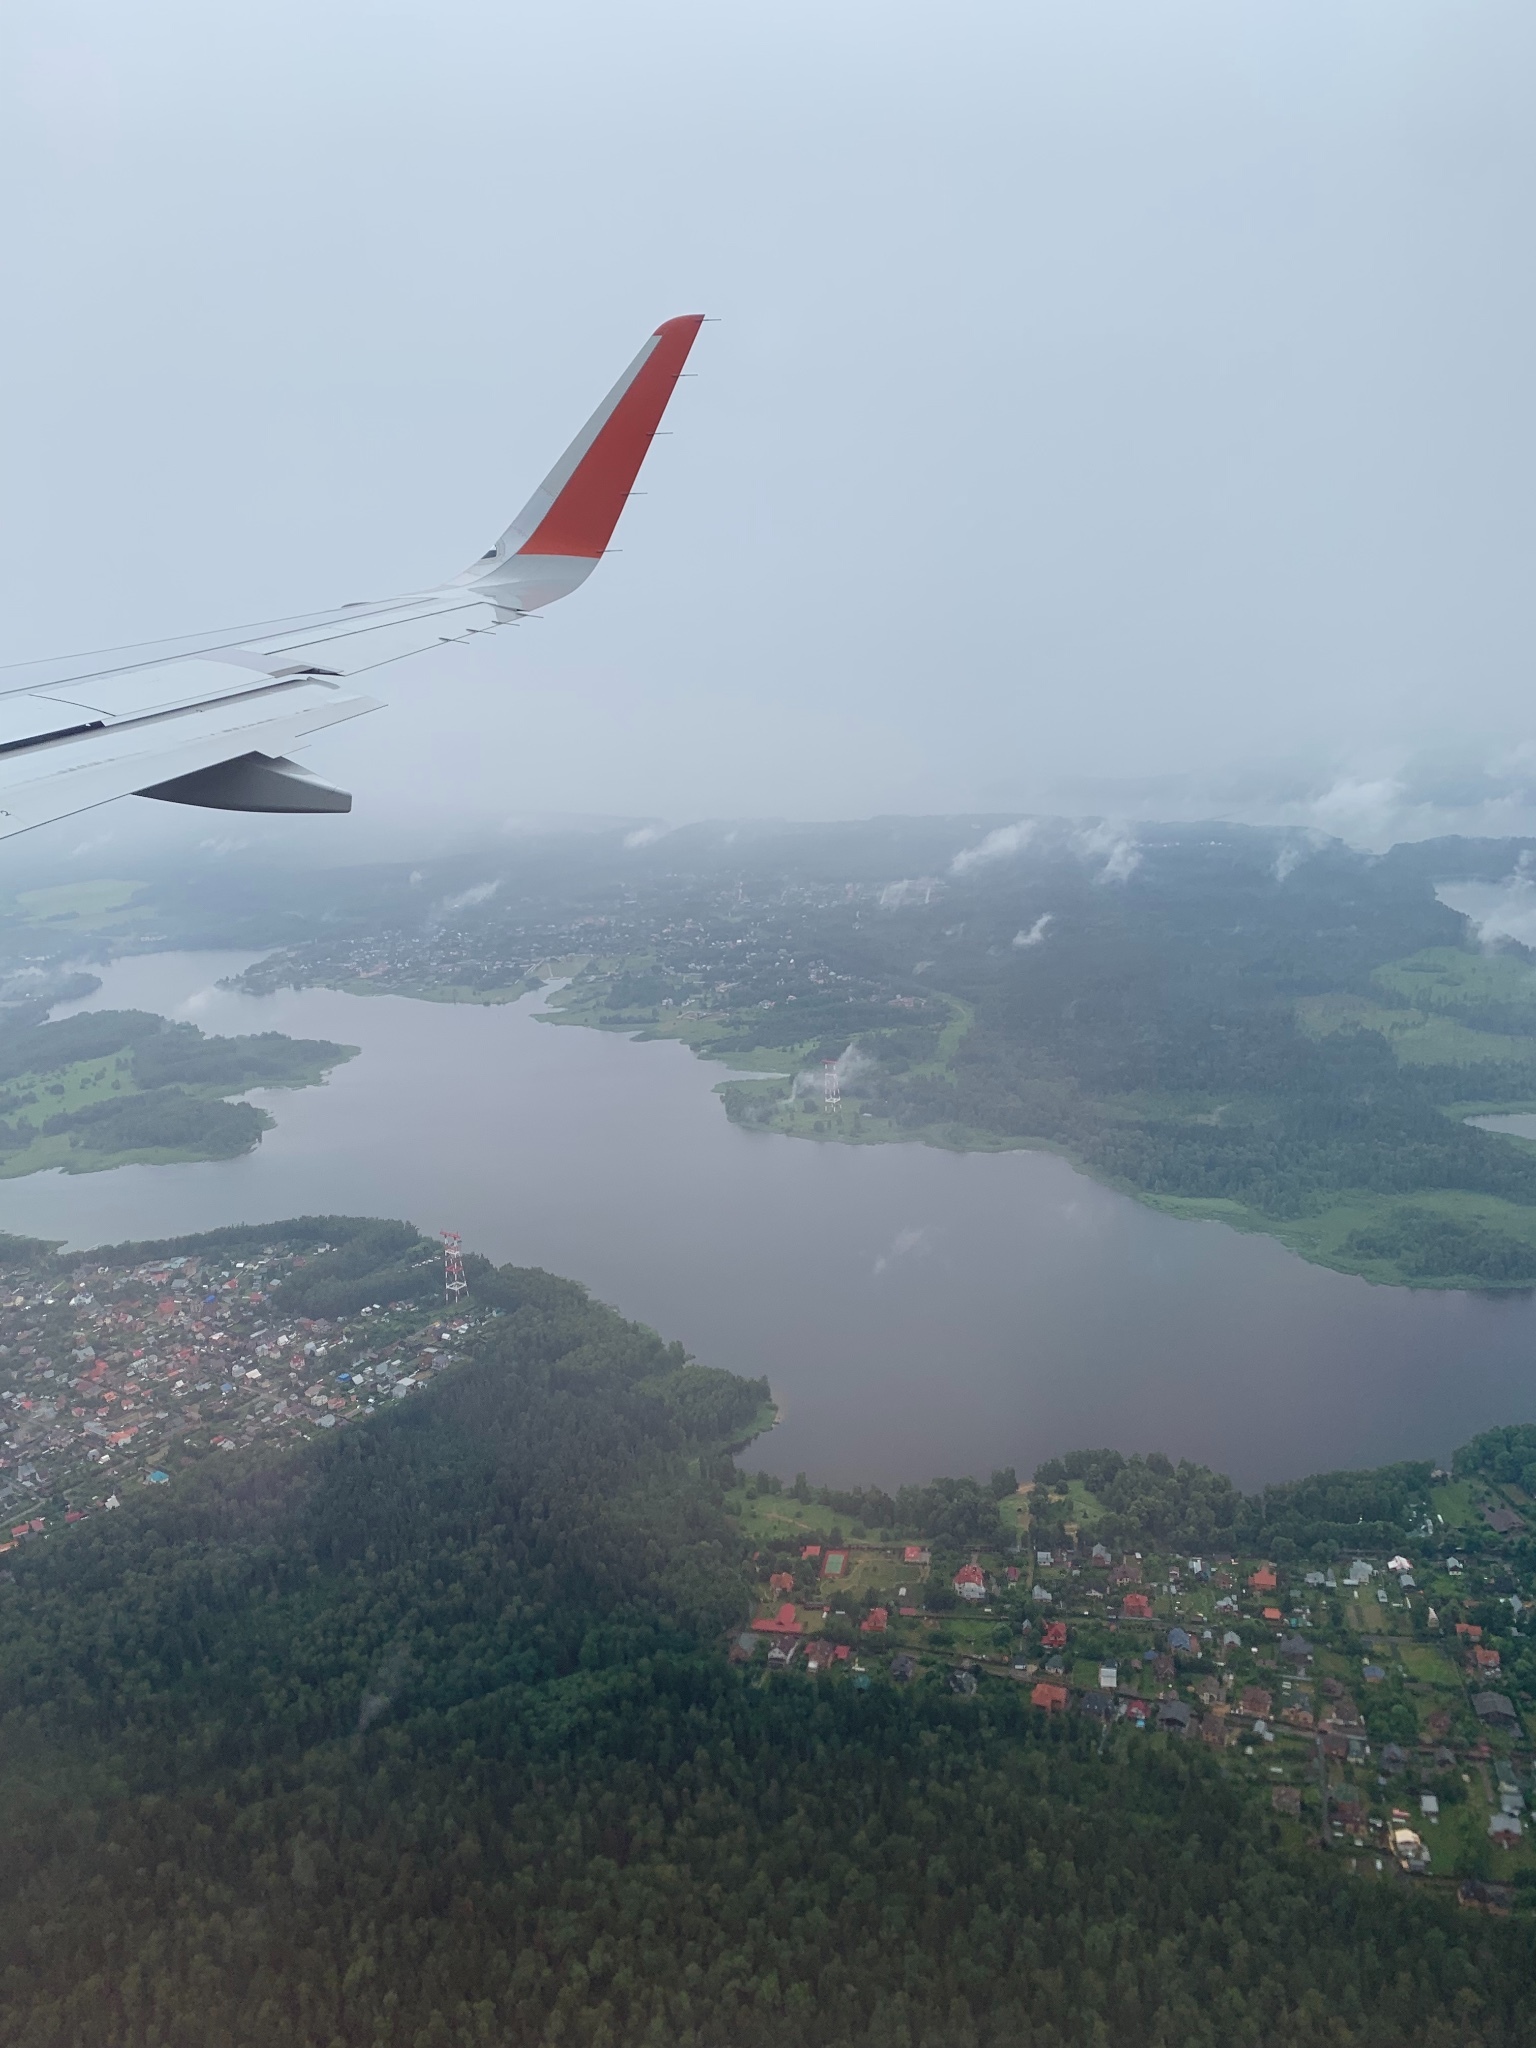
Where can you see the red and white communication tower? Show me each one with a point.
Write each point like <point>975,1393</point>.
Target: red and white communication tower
<point>454,1284</point>
<point>831,1094</point>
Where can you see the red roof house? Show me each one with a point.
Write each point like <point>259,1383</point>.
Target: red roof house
<point>781,1582</point>
<point>874,1623</point>
<point>915,1554</point>
<point>811,1550</point>
<point>970,1582</point>
<point>1055,1637</point>
<point>1136,1607</point>
<point>1052,1697</point>
<point>1263,1580</point>
<point>783,1623</point>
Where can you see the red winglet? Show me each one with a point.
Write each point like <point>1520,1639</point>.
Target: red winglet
<point>582,518</point>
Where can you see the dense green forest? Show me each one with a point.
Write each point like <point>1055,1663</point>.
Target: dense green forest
<point>424,1735</point>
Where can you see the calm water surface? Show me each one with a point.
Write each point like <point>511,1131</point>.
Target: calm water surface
<point>916,1311</point>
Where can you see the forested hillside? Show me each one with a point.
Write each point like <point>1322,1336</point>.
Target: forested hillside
<point>424,1734</point>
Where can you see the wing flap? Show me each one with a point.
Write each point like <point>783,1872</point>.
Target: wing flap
<point>56,777</point>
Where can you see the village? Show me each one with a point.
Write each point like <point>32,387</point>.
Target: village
<point>1371,1698</point>
<point>117,1376</point>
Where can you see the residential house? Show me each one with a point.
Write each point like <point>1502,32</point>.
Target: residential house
<point>782,1623</point>
<point>1055,1637</point>
<point>875,1622</point>
<point>1494,1709</point>
<point>1174,1717</point>
<point>1053,1698</point>
<point>1136,1607</point>
<point>1256,1700</point>
<point>1503,1521</point>
<point>781,1582</point>
<point>903,1668</point>
<point>916,1554</point>
<point>970,1582</point>
<point>1263,1580</point>
<point>1286,1799</point>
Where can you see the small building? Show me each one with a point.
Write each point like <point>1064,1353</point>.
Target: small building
<point>1099,1554</point>
<point>1295,1649</point>
<point>1503,1521</point>
<point>1408,1849</point>
<point>1180,1641</point>
<point>811,1550</point>
<point>1263,1580</point>
<point>1505,1828</point>
<point>1051,1698</point>
<point>1286,1799</point>
<point>1469,1631</point>
<point>1429,1805</point>
<point>1495,1710</point>
<point>1484,1659</point>
<point>1041,1595</point>
<point>1109,1676</point>
<point>903,1668</point>
<point>916,1554</point>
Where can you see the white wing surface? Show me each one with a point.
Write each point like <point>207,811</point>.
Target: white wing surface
<point>211,719</point>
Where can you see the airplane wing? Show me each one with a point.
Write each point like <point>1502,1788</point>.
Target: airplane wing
<point>211,719</point>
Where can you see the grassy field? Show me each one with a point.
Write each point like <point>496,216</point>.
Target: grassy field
<point>1417,1037</point>
<point>80,903</point>
<point>1445,979</point>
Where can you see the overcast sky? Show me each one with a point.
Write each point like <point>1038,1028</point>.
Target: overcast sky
<point>1119,407</point>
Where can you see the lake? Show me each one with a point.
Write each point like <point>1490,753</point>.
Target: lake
<point>916,1311</point>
